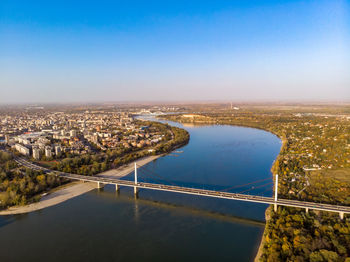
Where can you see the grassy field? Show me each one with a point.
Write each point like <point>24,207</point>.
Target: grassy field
<point>340,174</point>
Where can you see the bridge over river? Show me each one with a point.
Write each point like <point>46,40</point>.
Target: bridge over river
<point>101,181</point>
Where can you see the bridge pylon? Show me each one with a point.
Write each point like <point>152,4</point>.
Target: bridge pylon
<point>276,193</point>
<point>136,190</point>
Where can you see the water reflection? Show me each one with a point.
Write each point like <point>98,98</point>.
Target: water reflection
<point>125,197</point>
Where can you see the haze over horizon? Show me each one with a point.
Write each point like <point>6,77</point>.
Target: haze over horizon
<point>90,51</point>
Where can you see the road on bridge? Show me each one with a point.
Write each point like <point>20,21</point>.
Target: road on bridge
<point>193,191</point>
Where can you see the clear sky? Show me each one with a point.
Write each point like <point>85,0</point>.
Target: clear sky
<point>181,50</point>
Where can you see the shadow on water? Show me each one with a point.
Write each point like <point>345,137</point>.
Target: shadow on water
<point>106,194</point>
<point>9,219</point>
<point>6,220</point>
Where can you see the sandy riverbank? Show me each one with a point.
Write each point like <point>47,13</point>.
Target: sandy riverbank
<point>68,191</point>
<point>262,242</point>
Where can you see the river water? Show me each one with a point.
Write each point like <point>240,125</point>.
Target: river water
<point>103,225</point>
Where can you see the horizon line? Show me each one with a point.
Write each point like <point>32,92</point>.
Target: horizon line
<point>186,102</point>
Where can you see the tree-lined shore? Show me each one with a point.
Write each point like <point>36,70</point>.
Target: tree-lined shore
<point>313,165</point>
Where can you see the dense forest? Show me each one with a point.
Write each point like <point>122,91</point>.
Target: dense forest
<point>20,186</point>
<point>291,235</point>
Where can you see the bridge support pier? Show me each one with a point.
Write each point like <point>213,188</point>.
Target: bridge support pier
<point>100,185</point>
<point>341,215</point>
<point>136,191</point>
<point>307,210</point>
<point>275,207</point>
<point>117,187</point>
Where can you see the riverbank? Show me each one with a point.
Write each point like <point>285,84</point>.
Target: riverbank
<point>74,189</point>
<point>262,242</point>
<point>268,210</point>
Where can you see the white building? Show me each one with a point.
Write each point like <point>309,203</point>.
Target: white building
<point>48,152</point>
<point>36,153</point>
<point>95,139</point>
<point>73,133</point>
<point>7,139</point>
<point>22,149</point>
<point>23,140</point>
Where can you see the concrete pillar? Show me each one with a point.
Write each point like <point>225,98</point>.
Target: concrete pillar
<point>307,210</point>
<point>117,187</point>
<point>276,188</point>
<point>135,174</point>
<point>100,185</point>
<point>341,215</point>
<point>276,193</point>
<point>136,191</point>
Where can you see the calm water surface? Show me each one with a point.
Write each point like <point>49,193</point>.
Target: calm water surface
<point>159,226</point>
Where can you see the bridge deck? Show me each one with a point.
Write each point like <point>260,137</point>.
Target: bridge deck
<point>192,191</point>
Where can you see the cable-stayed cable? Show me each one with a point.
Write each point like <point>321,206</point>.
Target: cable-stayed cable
<point>255,188</point>
<point>238,186</point>
<point>149,172</point>
<point>148,175</point>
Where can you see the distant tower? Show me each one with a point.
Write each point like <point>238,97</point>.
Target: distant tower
<point>231,105</point>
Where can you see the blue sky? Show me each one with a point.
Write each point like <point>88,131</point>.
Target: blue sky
<point>85,51</point>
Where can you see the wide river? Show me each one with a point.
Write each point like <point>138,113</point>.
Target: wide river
<point>103,225</point>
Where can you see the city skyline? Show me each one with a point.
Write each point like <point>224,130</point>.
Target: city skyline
<point>200,51</point>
